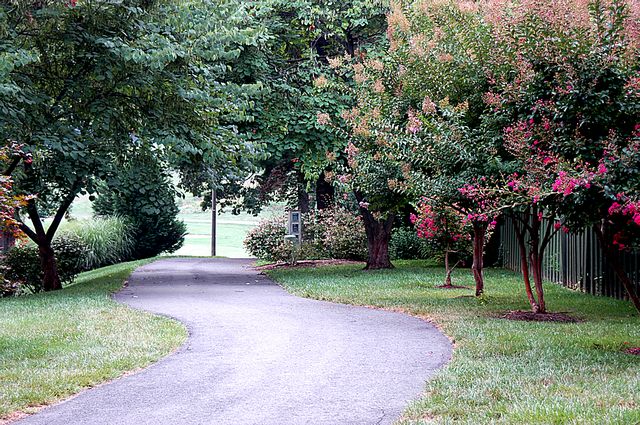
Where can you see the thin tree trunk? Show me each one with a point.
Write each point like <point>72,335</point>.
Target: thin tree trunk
<point>479,231</point>
<point>524,265</point>
<point>447,280</point>
<point>612,258</point>
<point>536,255</point>
<point>536,268</point>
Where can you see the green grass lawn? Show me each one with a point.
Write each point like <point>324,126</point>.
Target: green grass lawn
<point>55,344</point>
<point>502,372</point>
<point>231,229</point>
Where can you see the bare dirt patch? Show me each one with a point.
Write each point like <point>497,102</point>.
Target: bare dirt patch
<point>306,264</point>
<point>528,316</point>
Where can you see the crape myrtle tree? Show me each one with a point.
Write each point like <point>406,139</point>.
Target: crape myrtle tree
<point>83,81</point>
<point>292,64</point>
<point>439,53</point>
<point>426,111</point>
<point>371,171</point>
<point>567,79</point>
<point>446,229</point>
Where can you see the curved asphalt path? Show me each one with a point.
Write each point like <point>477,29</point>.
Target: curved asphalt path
<point>259,356</point>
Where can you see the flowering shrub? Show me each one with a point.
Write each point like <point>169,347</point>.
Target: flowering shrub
<point>266,241</point>
<point>343,235</point>
<point>329,233</point>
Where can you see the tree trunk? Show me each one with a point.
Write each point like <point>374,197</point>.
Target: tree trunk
<point>479,231</point>
<point>612,257</point>
<point>447,268</point>
<point>378,238</point>
<point>536,269</point>
<point>51,279</point>
<point>524,266</point>
<point>536,254</point>
<point>325,193</point>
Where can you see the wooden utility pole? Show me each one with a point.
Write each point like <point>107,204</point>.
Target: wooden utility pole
<point>214,212</point>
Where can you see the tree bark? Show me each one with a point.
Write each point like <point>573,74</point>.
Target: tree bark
<point>479,231</point>
<point>447,268</point>
<point>612,258</point>
<point>303,196</point>
<point>378,238</point>
<point>325,193</point>
<point>524,266</point>
<point>43,238</point>
<point>51,279</point>
<point>536,254</point>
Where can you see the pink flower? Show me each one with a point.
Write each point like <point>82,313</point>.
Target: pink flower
<point>614,208</point>
<point>602,169</point>
<point>557,225</point>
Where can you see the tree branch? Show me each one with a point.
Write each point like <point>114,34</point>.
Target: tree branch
<point>14,164</point>
<point>66,203</point>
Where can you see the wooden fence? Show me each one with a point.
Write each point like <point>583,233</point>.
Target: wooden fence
<point>572,260</point>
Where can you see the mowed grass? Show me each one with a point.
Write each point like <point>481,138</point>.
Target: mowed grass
<point>502,372</point>
<point>55,344</point>
<point>229,236</point>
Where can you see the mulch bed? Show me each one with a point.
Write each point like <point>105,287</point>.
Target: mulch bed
<point>307,264</point>
<point>452,287</point>
<point>529,316</point>
<point>634,351</point>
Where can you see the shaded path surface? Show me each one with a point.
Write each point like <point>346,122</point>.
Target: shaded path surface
<point>259,356</point>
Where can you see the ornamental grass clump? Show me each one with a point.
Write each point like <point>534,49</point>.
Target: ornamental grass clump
<point>108,240</point>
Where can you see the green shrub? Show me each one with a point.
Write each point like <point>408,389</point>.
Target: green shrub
<point>109,240</point>
<point>145,196</point>
<point>69,251</point>
<point>406,245</point>
<point>8,287</point>
<point>23,267</point>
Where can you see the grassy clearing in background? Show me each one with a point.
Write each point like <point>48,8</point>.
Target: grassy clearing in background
<point>502,372</point>
<point>55,344</point>
<point>231,229</point>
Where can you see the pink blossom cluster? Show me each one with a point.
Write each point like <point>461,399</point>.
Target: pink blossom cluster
<point>442,224</point>
<point>414,125</point>
<point>566,184</point>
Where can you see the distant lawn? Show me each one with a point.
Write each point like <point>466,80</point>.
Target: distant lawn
<point>231,228</point>
<point>502,372</point>
<point>229,236</point>
<point>55,344</point>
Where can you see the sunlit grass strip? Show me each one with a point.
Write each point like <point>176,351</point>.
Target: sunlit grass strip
<point>502,372</point>
<point>53,345</point>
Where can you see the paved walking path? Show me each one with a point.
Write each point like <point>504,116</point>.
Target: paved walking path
<point>259,356</point>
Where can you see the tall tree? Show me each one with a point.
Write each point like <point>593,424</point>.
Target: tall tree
<point>301,37</point>
<point>84,81</point>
